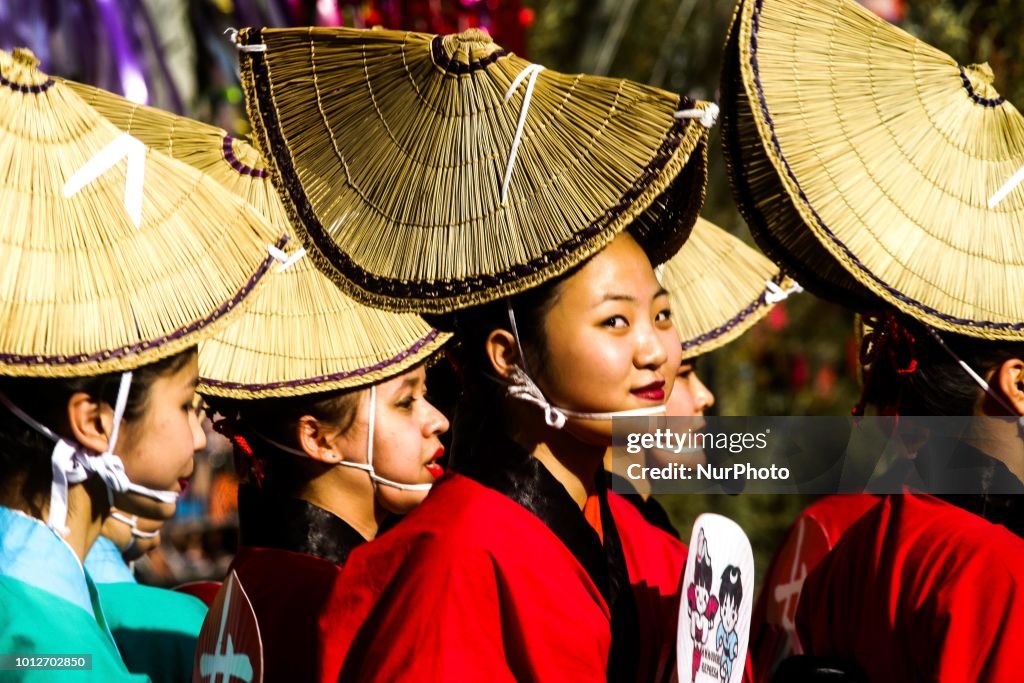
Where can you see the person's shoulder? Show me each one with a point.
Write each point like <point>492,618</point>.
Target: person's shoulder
<point>36,622</point>
<point>836,513</point>
<point>151,602</point>
<point>461,514</point>
<point>934,529</point>
<point>636,529</point>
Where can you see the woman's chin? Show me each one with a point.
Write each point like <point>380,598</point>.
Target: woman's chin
<point>135,504</point>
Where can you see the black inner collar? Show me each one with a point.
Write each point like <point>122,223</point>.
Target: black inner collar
<point>271,520</point>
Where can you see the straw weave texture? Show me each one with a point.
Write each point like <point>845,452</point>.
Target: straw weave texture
<point>301,334</point>
<point>870,150</point>
<point>717,287</point>
<point>391,149</point>
<point>83,290</point>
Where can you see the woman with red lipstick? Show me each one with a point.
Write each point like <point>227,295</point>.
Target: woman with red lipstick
<point>97,355</point>
<point>513,567</point>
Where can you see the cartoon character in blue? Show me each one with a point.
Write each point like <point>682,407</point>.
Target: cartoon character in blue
<point>730,595</point>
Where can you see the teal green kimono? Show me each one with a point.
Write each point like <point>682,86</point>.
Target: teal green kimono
<point>50,606</point>
<point>155,629</point>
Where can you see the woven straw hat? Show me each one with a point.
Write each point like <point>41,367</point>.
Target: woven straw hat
<point>865,160</point>
<point>108,263</point>
<point>300,334</point>
<point>719,287</point>
<point>395,151</point>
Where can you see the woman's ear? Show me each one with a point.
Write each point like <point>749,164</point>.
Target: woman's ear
<point>90,421</point>
<point>1009,377</point>
<point>502,351</point>
<point>314,441</point>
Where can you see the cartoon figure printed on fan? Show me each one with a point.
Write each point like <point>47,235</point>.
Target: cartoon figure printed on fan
<point>727,642</point>
<point>703,606</point>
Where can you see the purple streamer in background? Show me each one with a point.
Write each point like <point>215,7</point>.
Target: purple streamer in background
<point>129,69</point>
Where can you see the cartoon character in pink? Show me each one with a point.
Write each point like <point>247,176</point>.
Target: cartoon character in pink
<point>701,603</point>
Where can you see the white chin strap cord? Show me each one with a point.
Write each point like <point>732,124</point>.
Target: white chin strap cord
<point>523,388</point>
<point>72,463</point>
<point>133,524</point>
<point>375,478</point>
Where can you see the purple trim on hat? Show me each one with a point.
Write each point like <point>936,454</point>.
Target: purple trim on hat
<point>910,301</point>
<point>978,99</point>
<point>441,58</point>
<point>394,287</point>
<point>138,347</point>
<point>324,379</point>
<point>26,89</point>
<point>236,163</point>
<point>732,322</point>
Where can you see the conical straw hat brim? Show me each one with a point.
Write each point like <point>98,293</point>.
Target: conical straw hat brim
<point>83,290</point>
<point>301,334</point>
<point>391,148</point>
<point>718,288</point>
<point>885,152</point>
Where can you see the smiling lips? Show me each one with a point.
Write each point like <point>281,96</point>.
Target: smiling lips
<point>655,391</point>
<point>433,467</point>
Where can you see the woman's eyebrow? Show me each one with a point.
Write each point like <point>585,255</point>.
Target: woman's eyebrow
<point>612,296</point>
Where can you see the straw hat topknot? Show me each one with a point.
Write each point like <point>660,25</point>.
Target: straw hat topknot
<point>300,334</point>
<point>870,164</point>
<point>434,173</point>
<point>112,256</point>
<point>719,288</point>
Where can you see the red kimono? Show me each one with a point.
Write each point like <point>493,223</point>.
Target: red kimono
<point>812,535</point>
<point>655,561</point>
<point>919,590</point>
<point>287,567</point>
<point>497,581</point>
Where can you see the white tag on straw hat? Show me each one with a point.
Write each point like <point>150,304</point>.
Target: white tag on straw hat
<point>714,613</point>
<point>124,145</point>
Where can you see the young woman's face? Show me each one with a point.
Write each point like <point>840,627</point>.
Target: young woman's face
<point>157,448</point>
<point>406,443</point>
<point>690,398</point>
<point>610,341</point>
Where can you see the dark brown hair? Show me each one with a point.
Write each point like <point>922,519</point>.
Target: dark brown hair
<point>250,423</point>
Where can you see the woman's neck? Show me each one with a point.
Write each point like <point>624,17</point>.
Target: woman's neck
<point>620,466</point>
<point>347,493</point>
<point>574,463</point>
<point>88,506</point>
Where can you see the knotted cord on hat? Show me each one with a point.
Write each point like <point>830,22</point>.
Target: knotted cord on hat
<point>776,294</point>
